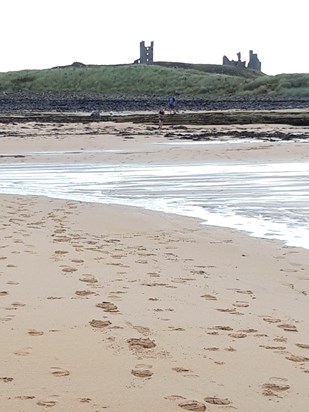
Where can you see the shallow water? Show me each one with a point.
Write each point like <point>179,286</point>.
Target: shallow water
<point>266,200</point>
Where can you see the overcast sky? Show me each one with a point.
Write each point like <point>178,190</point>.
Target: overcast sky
<point>39,34</point>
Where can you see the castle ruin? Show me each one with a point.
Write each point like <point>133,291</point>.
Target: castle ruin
<point>146,54</point>
<point>254,62</point>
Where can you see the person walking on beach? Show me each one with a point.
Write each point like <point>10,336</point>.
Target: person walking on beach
<point>172,104</point>
<point>161,117</point>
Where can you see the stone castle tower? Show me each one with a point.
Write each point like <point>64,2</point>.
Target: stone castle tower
<point>146,54</point>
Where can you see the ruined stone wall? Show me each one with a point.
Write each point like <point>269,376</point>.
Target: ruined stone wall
<point>254,62</point>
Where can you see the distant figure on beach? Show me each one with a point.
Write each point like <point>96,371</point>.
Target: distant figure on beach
<point>172,104</point>
<point>161,117</point>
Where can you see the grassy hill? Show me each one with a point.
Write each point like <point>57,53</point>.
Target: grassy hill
<point>160,79</point>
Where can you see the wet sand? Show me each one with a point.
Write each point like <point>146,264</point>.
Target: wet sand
<point>122,309</point>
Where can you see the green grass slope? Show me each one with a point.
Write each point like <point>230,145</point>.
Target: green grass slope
<point>160,79</point>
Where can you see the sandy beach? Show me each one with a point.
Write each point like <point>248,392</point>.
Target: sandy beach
<point>106,307</point>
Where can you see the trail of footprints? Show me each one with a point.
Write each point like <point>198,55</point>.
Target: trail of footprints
<point>114,249</point>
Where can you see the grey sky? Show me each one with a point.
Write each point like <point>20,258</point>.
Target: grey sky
<point>38,34</point>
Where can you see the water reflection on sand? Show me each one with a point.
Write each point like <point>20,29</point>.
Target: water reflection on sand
<point>266,200</point>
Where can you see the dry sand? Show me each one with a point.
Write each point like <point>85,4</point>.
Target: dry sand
<point>121,309</point>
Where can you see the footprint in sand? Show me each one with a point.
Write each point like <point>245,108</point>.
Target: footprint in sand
<point>141,329</point>
<point>271,320</point>
<point>245,292</point>
<point>108,307</point>
<point>209,297</point>
<point>238,335</point>
<point>296,358</point>
<point>84,293</point>
<point>6,379</point>
<point>141,343</point>
<point>288,327</point>
<point>142,371</point>
<point>240,304</point>
<point>212,349</point>
<point>181,370</point>
<point>25,397</point>
<point>60,230</point>
<point>69,270</point>
<point>23,351</point>
<point>18,305</point>
<point>230,349</point>
<point>227,328</point>
<point>4,292</point>
<point>174,397</point>
<point>213,400</point>
<point>54,297</point>
<point>59,372</point>
<point>302,345</point>
<point>34,332</point>
<point>280,339</point>
<point>176,329</point>
<point>273,389</point>
<point>192,406</point>
<point>47,404</point>
<point>280,348</point>
<point>95,323</point>
<point>230,311</point>
<point>60,252</point>
<point>88,279</point>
